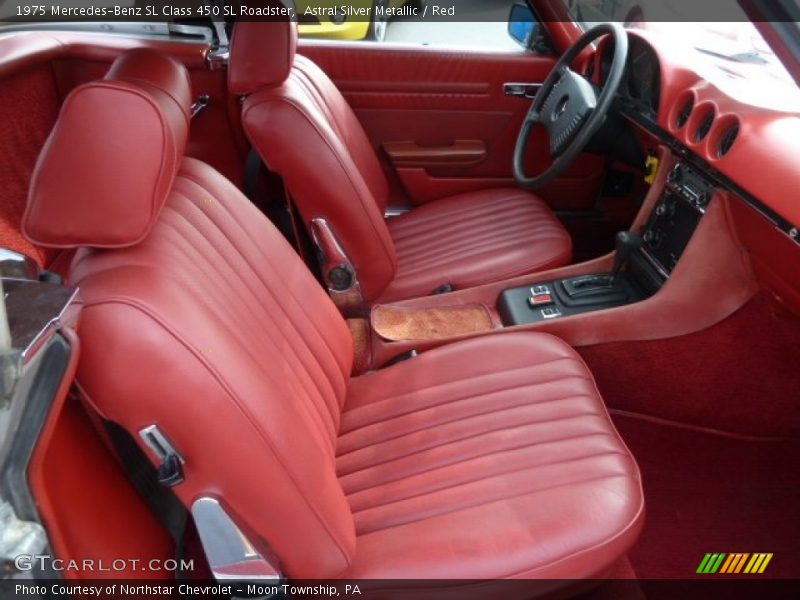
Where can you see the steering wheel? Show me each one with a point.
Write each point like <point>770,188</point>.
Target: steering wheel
<point>569,108</point>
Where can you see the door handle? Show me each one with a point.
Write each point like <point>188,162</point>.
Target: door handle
<point>521,90</point>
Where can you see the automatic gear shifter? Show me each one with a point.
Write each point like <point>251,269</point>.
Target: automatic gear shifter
<point>627,243</point>
<point>606,285</point>
<point>558,298</point>
<point>545,300</point>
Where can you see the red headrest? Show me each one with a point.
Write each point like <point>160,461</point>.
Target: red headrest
<point>261,55</point>
<point>109,163</point>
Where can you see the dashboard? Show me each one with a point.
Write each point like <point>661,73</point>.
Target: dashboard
<point>747,149</point>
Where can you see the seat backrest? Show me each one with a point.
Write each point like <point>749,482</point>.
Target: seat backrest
<point>198,317</point>
<point>304,130</point>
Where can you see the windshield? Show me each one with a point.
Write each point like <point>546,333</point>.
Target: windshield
<point>719,31</point>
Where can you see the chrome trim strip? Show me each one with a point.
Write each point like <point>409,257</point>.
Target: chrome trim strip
<point>395,212</point>
<point>654,263</point>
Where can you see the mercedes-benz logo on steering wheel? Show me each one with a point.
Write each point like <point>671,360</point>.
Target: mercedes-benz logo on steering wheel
<point>561,108</point>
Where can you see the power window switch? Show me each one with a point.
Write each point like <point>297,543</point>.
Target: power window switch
<point>540,300</point>
<point>551,313</point>
<point>538,290</point>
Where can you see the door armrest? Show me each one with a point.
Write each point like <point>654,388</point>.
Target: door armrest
<point>459,153</point>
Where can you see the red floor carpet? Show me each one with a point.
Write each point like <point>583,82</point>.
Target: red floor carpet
<point>741,375</point>
<point>689,408</point>
<point>709,493</point>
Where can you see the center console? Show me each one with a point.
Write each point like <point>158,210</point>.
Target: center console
<point>642,262</point>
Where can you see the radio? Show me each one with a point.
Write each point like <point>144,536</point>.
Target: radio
<point>690,186</point>
<point>675,217</point>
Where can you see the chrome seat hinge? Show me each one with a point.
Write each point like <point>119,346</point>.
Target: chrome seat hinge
<point>217,57</point>
<point>231,555</point>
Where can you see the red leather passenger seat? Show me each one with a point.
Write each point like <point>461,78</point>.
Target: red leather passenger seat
<point>305,130</point>
<point>489,458</point>
<point>464,239</point>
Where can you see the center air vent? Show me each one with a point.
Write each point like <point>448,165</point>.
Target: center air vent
<point>685,113</point>
<point>704,127</point>
<point>727,140</point>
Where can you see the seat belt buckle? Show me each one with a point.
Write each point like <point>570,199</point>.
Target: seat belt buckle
<point>170,471</point>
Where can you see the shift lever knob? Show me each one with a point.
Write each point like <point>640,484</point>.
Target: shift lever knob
<point>627,243</point>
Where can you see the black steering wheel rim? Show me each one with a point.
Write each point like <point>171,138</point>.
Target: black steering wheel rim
<point>568,107</point>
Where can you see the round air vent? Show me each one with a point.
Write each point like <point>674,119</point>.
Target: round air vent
<point>726,140</point>
<point>684,114</point>
<point>704,127</point>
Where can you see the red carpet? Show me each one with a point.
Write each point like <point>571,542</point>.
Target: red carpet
<point>742,375</point>
<point>710,493</point>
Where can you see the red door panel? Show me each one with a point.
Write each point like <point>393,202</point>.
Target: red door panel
<point>443,98</point>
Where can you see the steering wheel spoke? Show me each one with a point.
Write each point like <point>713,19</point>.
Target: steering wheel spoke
<point>559,140</point>
<point>569,107</point>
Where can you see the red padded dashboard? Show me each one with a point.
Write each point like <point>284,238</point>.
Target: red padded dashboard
<point>762,164</point>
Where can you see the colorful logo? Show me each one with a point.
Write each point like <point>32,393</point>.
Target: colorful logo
<point>737,562</point>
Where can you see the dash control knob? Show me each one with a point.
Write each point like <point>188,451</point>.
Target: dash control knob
<point>675,175</point>
<point>652,238</point>
<point>666,208</point>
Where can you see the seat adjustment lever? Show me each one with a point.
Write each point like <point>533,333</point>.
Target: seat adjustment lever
<point>170,471</point>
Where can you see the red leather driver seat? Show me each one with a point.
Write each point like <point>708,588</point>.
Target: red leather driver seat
<point>304,129</point>
<point>485,459</point>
